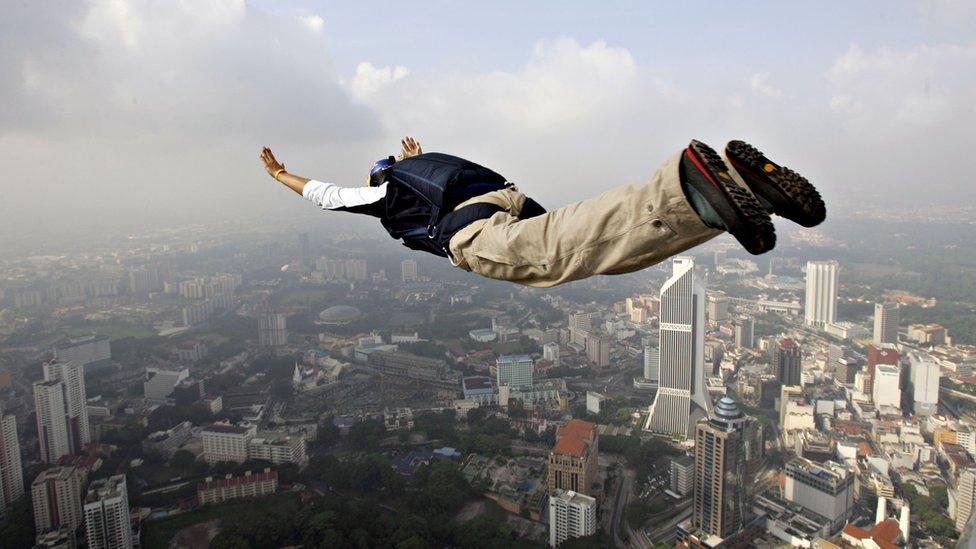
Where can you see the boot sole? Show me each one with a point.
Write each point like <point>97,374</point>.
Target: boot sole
<point>744,216</point>
<point>791,194</point>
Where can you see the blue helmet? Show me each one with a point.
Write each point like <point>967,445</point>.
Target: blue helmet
<point>377,173</point>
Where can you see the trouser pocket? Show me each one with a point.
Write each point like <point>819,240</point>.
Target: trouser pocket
<point>506,267</point>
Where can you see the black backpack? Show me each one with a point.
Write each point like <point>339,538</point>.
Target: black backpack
<point>441,182</point>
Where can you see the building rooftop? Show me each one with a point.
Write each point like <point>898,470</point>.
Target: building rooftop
<point>573,497</point>
<point>476,383</point>
<point>574,437</point>
<point>505,359</point>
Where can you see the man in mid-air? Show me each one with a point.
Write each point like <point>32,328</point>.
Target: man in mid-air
<point>482,223</point>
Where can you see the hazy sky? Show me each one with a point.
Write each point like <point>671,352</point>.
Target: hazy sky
<point>114,113</point>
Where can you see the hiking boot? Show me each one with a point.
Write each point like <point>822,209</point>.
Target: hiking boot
<point>703,172</point>
<point>783,191</point>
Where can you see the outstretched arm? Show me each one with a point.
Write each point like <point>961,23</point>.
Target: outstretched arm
<point>277,170</point>
<point>328,196</point>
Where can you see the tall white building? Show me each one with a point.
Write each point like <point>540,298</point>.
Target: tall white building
<point>160,382</point>
<point>652,362</point>
<point>52,425</point>
<point>885,323</point>
<point>681,398</point>
<point>821,295</point>
<point>550,352</point>
<point>272,331</point>
<point>107,514</point>
<point>72,374</point>
<point>515,371</point>
<point>824,488</point>
<point>571,515</point>
<point>408,270</point>
<point>925,373</point>
<point>965,497</point>
<point>887,385</point>
<point>56,497</point>
<point>11,468</point>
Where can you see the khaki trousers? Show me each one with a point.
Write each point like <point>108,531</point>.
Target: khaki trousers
<point>622,230</point>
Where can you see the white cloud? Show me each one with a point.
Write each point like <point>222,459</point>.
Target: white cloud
<point>369,80</point>
<point>760,83</point>
<point>313,22</point>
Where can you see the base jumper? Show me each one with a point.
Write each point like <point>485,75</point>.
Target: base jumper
<point>482,223</point>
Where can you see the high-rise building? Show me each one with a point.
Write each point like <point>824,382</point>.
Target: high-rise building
<point>925,373</point>
<point>515,371</point>
<point>824,488</point>
<point>887,386</point>
<point>581,322</point>
<point>787,362</point>
<point>598,349</point>
<point>744,332</point>
<point>885,323</point>
<point>51,416</point>
<point>107,514</point>
<point>226,442</point>
<point>56,496</point>
<point>681,396</point>
<point>884,354</point>
<point>821,293</point>
<point>682,475</point>
<point>573,461</point>
<point>159,383</point>
<point>550,352</point>
<point>271,329</point>
<point>652,361</point>
<point>75,401</point>
<point>408,270</point>
<point>719,506</point>
<point>965,497</point>
<point>571,515</point>
<point>11,468</point>
<point>718,308</point>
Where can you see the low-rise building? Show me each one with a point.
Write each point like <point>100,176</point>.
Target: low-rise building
<point>248,485</point>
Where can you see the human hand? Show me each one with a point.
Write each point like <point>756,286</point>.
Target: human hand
<point>409,147</point>
<point>271,164</point>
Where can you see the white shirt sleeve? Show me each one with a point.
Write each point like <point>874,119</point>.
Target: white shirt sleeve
<point>329,196</point>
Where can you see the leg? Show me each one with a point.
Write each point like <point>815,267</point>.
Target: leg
<point>623,230</point>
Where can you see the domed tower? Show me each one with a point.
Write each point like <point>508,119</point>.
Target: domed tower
<point>720,466</point>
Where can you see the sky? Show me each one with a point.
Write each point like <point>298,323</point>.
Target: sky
<point>116,115</point>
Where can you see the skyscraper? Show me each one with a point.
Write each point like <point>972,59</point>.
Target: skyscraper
<point>924,376</point>
<point>681,396</point>
<point>571,515</point>
<point>719,505</point>
<point>598,349</point>
<point>884,354</point>
<point>271,329</point>
<point>11,468</point>
<point>107,514</point>
<point>56,496</point>
<point>52,426</point>
<point>408,270</point>
<point>965,497</point>
<point>885,323</point>
<point>744,332</point>
<point>75,401</point>
<point>652,361</point>
<point>887,386</point>
<point>787,362</point>
<point>821,295</point>
<point>516,371</point>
